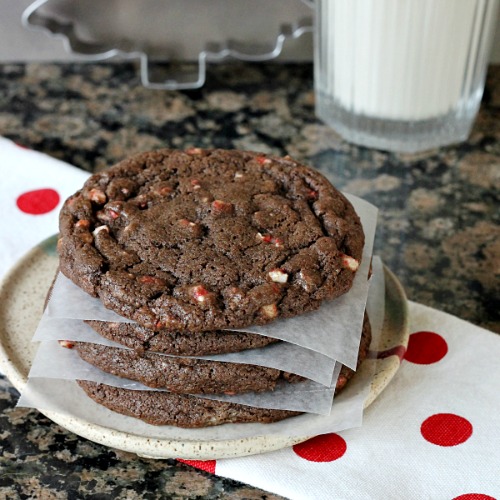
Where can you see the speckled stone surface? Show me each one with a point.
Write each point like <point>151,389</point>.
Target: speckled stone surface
<point>438,229</point>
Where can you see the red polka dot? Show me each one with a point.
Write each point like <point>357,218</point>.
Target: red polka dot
<point>39,201</point>
<point>206,465</point>
<point>446,429</point>
<point>474,496</point>
<point>324,448</point>
<point>425,348</point>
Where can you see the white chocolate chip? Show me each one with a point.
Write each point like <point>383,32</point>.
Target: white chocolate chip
<point>97,196</point>
<point>98,229</point>
<point>278,276</point>
<point>269,310</point>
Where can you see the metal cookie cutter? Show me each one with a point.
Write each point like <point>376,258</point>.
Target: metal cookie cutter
<point>34,18</point>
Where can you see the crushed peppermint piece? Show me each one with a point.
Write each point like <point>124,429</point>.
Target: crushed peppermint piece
<point>113,214</point>
<point>222,207</point>
<point>200,293</point>
<point>262,160</point>
<point>267,238</point>
<point>66,343</point>
<point>350,262</point>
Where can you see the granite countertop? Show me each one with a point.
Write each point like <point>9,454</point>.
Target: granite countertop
<point>438,223</point>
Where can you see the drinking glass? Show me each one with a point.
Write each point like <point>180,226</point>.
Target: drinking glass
<point>402,75</point>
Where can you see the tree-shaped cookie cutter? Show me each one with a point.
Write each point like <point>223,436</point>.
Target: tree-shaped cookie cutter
<point>33,18</point>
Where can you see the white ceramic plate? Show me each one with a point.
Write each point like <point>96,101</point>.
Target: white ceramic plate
<point>22,296</point>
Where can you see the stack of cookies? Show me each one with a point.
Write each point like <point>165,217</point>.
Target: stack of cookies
<point>191,246</point>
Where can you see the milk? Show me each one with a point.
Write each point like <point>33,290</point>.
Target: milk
<point>401,60</point>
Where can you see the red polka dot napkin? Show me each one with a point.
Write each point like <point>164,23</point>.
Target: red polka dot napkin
<point>33,188</point>
<point>433,433</point>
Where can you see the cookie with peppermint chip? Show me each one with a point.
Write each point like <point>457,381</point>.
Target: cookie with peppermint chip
<point>184,410</point>
<point>180,410</point>
<point>182,375</point>
<point>187,375</point>
<point>201,240</point>
<point>177,343</point>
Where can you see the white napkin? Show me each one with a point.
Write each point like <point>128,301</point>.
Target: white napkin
<point>33,188</point>
<point>433,433</point>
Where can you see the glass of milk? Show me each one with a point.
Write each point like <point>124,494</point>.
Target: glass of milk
<point>402,75</point>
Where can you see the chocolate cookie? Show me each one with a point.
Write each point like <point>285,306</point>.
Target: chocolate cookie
<point>182,375</point>
<point>179,343</point>
<point>198,376</point>
<point>165,408</point>
<point>202,240</point>
<point>364,345</point>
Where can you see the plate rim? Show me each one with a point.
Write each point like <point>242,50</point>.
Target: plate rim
<point>163,448</point>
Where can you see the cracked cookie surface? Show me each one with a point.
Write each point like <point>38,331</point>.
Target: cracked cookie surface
<point>209,239</point>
